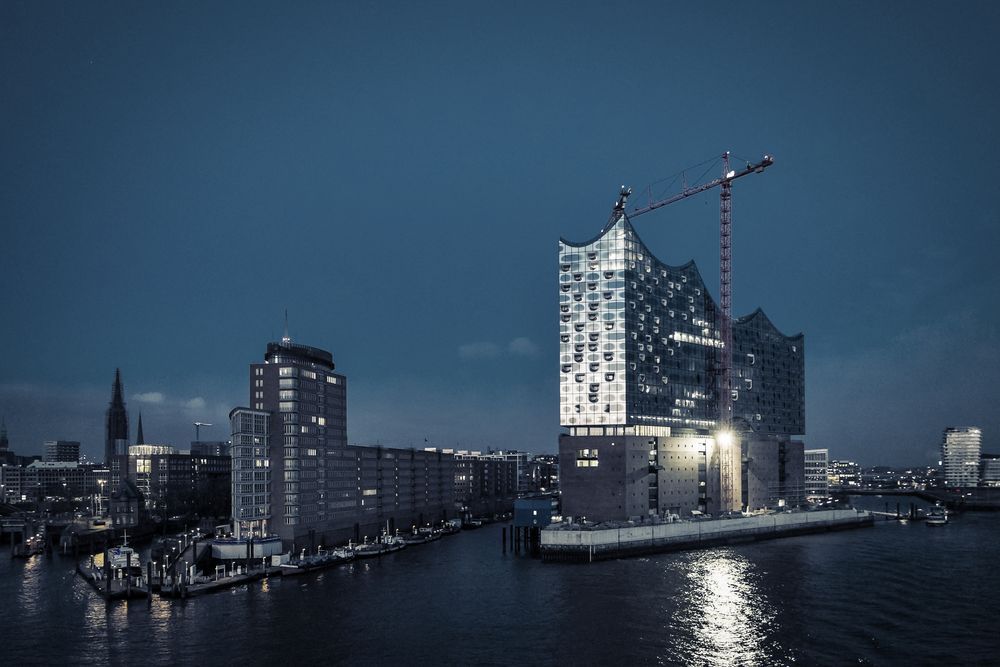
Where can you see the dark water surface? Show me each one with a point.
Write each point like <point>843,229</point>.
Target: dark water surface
<point>889,595</point>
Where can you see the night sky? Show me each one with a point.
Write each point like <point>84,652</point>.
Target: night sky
<point>173,176</point>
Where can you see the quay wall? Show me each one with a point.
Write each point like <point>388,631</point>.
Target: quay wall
<point>589,545</point>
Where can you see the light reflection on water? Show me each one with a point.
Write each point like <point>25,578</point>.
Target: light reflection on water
<point>723,613</point>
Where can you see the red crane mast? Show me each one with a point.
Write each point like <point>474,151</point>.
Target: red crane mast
<point>725,454</point>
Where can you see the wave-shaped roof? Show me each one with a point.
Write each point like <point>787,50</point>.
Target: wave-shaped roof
<point>689,266</point>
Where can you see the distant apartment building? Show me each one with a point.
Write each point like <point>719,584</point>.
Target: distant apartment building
<point>844,475</point>
<point>960,454</point>
<point>989,470</point>
<point>485,483</point>
<point>140,467</point>
<point>63,451</point>
<point>817,470</point>
<point>520,461</point>
<point>543,473</point>
<point>40,480</point>
<point>210,447</point>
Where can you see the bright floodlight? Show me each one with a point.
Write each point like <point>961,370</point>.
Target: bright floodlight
<point>724,438</point>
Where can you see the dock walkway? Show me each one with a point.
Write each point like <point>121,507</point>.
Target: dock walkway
<point>585,544</point>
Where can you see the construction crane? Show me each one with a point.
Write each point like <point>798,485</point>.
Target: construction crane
<point>725,365</point>
<point>197,430</point>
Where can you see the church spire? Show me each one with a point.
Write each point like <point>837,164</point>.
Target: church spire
<point>116,390</point>
<point>139,439</point>
<point>116,435</point>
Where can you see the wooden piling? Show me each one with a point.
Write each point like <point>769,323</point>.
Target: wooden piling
<point>503,537</point>
<point>128,575</point>
<point>149,582</point>
<point>107,575</point>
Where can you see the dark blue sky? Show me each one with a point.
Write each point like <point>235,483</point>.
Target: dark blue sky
<point>174,175</point>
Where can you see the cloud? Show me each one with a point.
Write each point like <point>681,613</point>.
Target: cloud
<point>519,347</point>
<point>478,350</point>
<point>149,397</point>
<point>196,403</point>
<point>522,347</point>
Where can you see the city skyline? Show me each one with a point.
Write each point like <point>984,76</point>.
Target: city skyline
<point>429,180</point>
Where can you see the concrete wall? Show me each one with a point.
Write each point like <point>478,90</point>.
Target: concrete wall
<point>686,534</point>
<point>773,471</point>
<point>616,488</point>
<point>682,462</point>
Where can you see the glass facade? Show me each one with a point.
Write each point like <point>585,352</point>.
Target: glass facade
<point>639,344</point>
<point>960,456</point>
<point>251,472</point>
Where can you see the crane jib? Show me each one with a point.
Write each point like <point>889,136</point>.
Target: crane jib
<point>757,168</point>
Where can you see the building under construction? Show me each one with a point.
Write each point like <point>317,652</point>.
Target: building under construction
<point>671,405</point>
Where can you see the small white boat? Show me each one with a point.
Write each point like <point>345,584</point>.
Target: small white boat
<point>938,516</point>
<point>122,557</point>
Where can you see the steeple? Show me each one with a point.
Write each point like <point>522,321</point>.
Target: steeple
<point>139,440</point>
<point>116,390</point>
<point>116,435</point>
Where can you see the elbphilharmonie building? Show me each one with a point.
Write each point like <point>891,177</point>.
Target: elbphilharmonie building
<point>640,350</point>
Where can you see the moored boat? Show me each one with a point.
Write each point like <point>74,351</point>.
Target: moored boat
<point>938,516</point>
<point>386,544</point>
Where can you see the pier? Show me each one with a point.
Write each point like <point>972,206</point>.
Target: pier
<point>570,542</point>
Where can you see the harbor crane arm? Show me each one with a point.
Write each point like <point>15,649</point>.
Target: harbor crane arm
<point>729,177</point>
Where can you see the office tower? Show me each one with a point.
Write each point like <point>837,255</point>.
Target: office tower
<point>251,466</point>
<point>640,346</point>
<point>817,473</point>
<point>292,441</point>
<point>64,451</point>
<point>960,450</point>
<point>308,436</point>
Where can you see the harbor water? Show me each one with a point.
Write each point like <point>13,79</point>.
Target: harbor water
<point>890,594</point>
